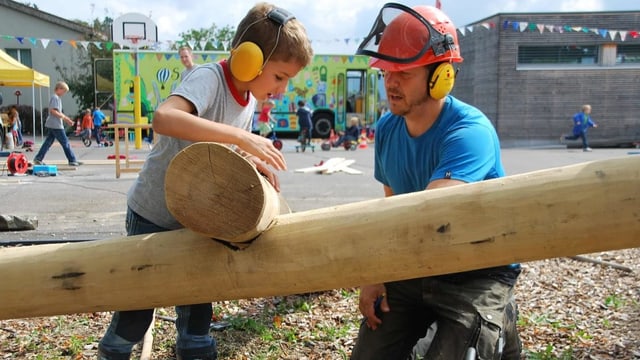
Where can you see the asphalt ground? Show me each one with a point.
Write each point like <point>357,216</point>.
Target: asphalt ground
<point>89,202</point>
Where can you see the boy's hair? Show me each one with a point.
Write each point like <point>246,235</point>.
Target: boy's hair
<point>301,103</point>
<point>292,44</point>
<point>62,85</point>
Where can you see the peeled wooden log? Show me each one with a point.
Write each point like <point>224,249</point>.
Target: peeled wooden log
<point>215,192</point>
<point>565,211</point>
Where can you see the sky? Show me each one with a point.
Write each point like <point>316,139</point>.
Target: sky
<point>334,26</point>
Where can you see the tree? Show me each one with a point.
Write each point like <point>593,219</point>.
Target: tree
<point>81,83</point>
<point>213,38</point>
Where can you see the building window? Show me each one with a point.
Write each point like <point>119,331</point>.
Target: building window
<point>22,55</point>
<point>628,54</point>
<point>575,55</point>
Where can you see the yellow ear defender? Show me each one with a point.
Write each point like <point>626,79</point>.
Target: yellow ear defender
<point>247,59</point>
<point>442,80</point>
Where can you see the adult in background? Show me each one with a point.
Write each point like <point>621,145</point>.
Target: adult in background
<point>432,140</point>
<point>55,127</point>
<point>186,58</point>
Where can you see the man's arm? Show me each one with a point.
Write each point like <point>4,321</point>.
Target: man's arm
<point>440,183</point>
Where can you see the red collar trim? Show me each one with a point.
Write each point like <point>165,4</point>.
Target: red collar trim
<point>240,99</point>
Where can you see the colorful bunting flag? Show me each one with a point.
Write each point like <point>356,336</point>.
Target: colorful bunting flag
<point>507,25</point>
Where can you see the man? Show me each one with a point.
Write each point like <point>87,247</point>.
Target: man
<point>431,140</point>
<point>186,57</point>
<point>581,123</point>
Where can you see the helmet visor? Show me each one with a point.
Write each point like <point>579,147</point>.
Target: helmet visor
<point>401,35</point>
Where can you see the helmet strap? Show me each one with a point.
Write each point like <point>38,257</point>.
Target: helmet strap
<point>443,45</point>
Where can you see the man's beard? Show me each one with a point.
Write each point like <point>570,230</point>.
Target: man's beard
<point>405,110</point>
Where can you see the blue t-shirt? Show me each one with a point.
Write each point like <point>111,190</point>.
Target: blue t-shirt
<point>462,144</point>
<point>98,117</point>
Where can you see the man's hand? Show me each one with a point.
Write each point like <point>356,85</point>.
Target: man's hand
<point>372,296</point>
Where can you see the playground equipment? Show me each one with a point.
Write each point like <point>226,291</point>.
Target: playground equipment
<point>517,218</point>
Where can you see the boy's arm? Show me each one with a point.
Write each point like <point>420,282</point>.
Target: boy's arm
<point>175,118</point>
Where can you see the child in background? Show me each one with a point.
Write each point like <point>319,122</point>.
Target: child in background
<point>215,103</point>
<point>351,134</point>
<point>86,125</point>
<point>265,119</point>
<point>55,127</point>
<point>304,122</point>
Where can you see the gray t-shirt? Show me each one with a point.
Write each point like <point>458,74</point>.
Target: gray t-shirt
<point>214,97</point>
<point>186,72</point>
<point>52,121</point>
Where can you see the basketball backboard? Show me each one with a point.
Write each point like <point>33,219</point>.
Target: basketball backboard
<point>134,27</point>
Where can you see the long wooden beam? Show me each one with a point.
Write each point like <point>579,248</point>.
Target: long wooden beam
<point>564,211</point>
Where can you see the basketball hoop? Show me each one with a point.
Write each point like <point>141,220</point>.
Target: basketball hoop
<point>133,39</point>
<point>134,30</point>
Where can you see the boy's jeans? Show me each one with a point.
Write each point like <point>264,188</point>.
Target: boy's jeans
<point>127,328</point>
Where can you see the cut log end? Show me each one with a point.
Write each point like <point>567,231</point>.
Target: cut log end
<point>213,191</point>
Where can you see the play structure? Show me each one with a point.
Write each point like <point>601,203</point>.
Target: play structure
<point>335,87</point>
<point>240,244</point>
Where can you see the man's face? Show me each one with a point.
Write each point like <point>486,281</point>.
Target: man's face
<point>186,58</point>
<point>406,90</point>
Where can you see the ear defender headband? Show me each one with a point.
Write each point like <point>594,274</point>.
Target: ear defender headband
<point>247,59</point>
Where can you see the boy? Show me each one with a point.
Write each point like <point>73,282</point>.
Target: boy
<point>55,127</point>
<point>98,119</point>
<point>86,125</point>
<point>581,123</point>
<point>304,122</point>
<point>212,104</point>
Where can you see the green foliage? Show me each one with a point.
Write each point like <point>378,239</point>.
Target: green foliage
<point>548,354</point>
<point>78,74</point>
<point>614,301</point>
<point>214,38</point>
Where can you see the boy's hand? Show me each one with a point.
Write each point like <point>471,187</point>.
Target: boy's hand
<point>263,169</point>
<point>263,149</point>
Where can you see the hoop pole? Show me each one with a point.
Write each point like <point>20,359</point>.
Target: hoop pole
<point>137,92</point>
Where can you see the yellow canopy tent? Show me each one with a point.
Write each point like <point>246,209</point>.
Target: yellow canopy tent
<point>15,74</point>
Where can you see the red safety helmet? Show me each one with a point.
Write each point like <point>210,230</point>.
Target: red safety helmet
<point>403,38</point>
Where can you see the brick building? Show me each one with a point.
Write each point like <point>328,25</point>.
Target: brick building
<point>531,72</point>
